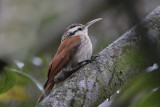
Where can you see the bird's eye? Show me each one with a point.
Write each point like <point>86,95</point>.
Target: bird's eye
<point>79,29</point>
<point>71,33</point>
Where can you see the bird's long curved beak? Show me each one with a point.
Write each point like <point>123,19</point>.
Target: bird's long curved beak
<point>92,22</point>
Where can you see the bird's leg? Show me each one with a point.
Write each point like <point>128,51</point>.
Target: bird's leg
<point>70,72</point>
<point>80,65</point>
<point>64,74</point>
<point>75,69</point>
<point>93,58</point>
<point>84,62</point>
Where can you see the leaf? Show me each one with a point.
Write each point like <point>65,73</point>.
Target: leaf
<point>7,81</point>
<point>38,84</point>
<point>142,91</point>
<point>3,104</point>
<point>16,93</point>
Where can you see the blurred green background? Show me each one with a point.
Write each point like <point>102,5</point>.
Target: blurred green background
<point>31,30</point>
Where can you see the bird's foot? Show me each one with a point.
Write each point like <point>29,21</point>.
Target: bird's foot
<point>93,58</point>
<point>82,63</point>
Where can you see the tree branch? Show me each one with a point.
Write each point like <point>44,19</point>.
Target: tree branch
<point>117,64</point>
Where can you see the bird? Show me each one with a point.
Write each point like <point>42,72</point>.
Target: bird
<point>75,48</point>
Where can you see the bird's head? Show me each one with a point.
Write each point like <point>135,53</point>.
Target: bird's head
<point>78,29</point>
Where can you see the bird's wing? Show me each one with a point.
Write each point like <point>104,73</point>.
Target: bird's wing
<point>66,50</point>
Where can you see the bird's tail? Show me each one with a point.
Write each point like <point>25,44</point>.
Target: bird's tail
<point>47,90</point>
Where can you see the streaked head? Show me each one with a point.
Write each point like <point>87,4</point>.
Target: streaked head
<point>78,29</point>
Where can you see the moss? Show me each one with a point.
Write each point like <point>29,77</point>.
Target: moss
<point>77,104</point>
<point>74,90</point>
<point>74,103</point>
<point>80,96</point>
<point>134,58</point>
<point>103,95</point>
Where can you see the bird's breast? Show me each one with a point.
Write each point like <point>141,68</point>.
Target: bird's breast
<point>84,51</point>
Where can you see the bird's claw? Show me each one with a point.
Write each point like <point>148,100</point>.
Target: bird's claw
<point>93,58</point>
<point>82,63</point>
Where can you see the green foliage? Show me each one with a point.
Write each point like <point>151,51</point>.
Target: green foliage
<point>3,105</point>
<point>133,58</point>
<point>18,78</point>
<point>143,91</point>
<point>15,69</point>
<point>7,81</point>
<point>151,100</point>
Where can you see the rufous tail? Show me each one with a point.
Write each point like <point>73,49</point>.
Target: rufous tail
<point>47,90</point>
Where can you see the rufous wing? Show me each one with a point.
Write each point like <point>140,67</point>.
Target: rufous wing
<point>65,52</point>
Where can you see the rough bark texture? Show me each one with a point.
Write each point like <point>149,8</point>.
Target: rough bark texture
<point>116,64</point>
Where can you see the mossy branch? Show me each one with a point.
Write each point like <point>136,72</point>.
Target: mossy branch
<point>117,64</point>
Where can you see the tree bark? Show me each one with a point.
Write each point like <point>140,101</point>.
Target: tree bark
<point>118,63</point>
